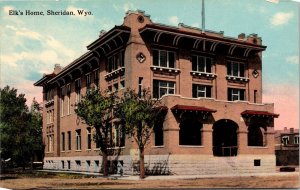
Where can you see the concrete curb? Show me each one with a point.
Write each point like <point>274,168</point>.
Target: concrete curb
<point>176,177</point>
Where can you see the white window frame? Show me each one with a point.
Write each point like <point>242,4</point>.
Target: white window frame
<point>205,63</point>
<point>201,91</point>
<point>239,69</point>
<point>68,99</point>
<point>168,87</point>
<point>167,54</point>
<point>285,140</point>
<point>237,94</point>
<point>115,64</point>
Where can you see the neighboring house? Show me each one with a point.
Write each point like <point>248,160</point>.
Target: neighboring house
<point>287,146</point>
<point>211,84</point>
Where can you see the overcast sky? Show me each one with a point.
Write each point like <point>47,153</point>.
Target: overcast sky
<point>31,45</point>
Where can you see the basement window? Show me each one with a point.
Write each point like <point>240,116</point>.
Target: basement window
<point>257,162</point>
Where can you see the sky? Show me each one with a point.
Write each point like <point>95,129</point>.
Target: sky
<point>31,45</point>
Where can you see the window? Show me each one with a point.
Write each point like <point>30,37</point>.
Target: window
<point>88,82</point>
<point>63,141</point>
<point>296,139</point>
<point>115,61</point>
<point>255,95</point>
<point>116,87</point>
<point>285,140</point>
<point>236,94</point>
<point>62,96</point>
<point>97,142</point>
<point>122,84</point>
<point>96,78</point>
<point>158,133</point>
<point>140,86</point>
<point>201,64</point>
<point>69,164</point>
<point>236,69</point>
<point>163,58</point>
<point>69,141</point>
<point>51,143</point>
<point>201,91</point>
<point>78,139</point>
<point>89,138</point>
<point>62,164</point>
<point>256,162</point>
<point>78,90</point>
<point>109,88</point>
<point>68,99</point>
<point>49,95</point>
<point>117,136</point>
<point>161,88</point>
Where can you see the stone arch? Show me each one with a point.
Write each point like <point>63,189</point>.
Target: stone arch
<point>225,138</point>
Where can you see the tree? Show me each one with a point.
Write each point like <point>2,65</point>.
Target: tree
<point>96,110</point>
<point>139,112</point>
<point>20,129</point>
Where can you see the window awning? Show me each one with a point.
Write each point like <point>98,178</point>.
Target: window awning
<point>192,108</point>
<point>248,113</point>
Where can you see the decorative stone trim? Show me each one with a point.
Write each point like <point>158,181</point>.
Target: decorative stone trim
<point>165,69</point>
<point>237,79</point>
<point>203,74</point>
<point>114,73</point>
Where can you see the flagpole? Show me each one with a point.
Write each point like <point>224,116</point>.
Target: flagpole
<point>203,17</point>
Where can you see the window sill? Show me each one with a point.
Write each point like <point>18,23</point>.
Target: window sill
<point>77,150</point>
<point>165,69</point>
<point>203,74</point>
<point>237,79</point>
<point>191,146</point>
<point>116,148</point>
<point>258,147</point>
<point>162,146</point>
<point>114,73</point>
<point>96,149</point>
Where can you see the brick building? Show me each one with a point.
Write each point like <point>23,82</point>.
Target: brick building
<point>287,146</point>
<point>211,84</point>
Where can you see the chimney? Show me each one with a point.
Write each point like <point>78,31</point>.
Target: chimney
<point>57,68</point>
<point>241,36</point>
<point>291,130</point>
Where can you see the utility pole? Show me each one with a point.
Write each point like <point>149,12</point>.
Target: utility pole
<point>203,17</point>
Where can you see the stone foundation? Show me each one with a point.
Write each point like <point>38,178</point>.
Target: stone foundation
<point>170,164</point>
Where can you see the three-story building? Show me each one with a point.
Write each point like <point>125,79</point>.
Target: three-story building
<point>211,84</point>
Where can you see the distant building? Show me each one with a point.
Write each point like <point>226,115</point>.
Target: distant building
<point>287,146</point>
<point>216,121</point>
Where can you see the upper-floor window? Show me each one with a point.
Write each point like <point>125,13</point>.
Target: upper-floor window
<point>62,100</point>
<point>161,88</point>
<point>115,61</point>
<point>163,58</point>
<point>49,95</point>
<point>285,140</point>
<point>201,91</point>
<point>78,90</point>
<point>236,94</point>
<point>88,82</point>
<point>296,139</point>
<point>236,69</point>
<point>201,64</point>
<point>63,141</point>
<point>69,140</point>
<point>96,78</point>
<point>68,98</point>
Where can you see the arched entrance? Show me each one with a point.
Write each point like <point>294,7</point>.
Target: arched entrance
<point>225,138</point>
<point>190,130</point>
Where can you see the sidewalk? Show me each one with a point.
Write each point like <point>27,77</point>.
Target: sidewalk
<point>176,177</point>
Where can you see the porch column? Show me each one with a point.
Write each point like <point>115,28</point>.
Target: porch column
<point>242,141</point>
<point>207,138</point>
